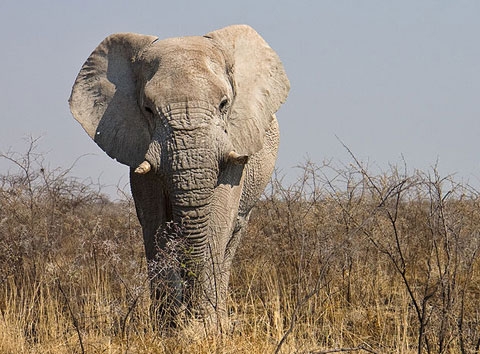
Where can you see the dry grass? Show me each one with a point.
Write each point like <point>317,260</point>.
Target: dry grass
<point>342,259</point>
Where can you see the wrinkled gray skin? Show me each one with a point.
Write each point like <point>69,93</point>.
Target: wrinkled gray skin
<point>194,118</point>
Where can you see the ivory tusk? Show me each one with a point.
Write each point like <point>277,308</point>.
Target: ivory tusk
<point>143,168</point>
<point>236,158</point>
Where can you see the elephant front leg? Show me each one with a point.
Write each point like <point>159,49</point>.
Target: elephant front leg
<point>164,272</point>
<point>234,200</point>
<point>224,237</point>
<point>168,279</point>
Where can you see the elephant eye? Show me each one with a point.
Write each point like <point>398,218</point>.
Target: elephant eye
<point>223,106</point>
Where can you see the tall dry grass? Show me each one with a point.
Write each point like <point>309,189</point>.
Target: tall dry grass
<point>342,260</point>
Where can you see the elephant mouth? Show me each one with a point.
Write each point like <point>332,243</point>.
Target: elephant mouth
<point>144,167</point>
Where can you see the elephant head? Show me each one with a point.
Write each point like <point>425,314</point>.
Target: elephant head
<point>186,114</point>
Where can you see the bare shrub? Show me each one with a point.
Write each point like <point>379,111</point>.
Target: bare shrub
<point>70,257</point>
<point>381,263</point>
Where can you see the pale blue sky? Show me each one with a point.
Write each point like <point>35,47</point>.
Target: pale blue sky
<point>388,78</point>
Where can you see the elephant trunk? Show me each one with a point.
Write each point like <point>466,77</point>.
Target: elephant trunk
<point>188,160</point>
<point>191,193</point>
<point>189,178</point>
<point>191,175</point>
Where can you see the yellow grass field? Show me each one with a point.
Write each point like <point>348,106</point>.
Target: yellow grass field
<point>343,260</point>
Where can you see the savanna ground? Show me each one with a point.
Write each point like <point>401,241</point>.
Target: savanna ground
<point>342,260</point>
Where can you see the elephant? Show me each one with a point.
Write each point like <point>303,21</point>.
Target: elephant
<point>194,119</point>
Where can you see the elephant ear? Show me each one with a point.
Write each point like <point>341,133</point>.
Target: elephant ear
<point>260,85</point>
<point>104,98</point>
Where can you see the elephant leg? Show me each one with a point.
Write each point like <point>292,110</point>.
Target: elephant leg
<point>165,276</point>
<point>214,280</point>
<point>218,271</point>
<point>234,202</point>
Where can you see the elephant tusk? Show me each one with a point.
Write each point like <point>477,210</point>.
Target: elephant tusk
<point>236,158</point>
<point>143,168</point>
